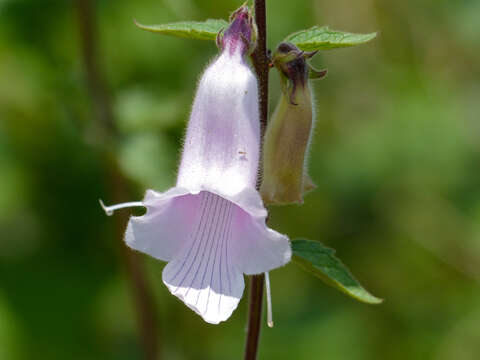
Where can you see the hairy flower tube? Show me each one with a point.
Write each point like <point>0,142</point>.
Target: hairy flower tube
<point>210,227</point>
<point>288,134</point>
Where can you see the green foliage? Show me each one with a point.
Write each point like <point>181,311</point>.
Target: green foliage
<point>323,38</point>
<point>315,38</point>
<point>321,261</point>
<point>200,30</point>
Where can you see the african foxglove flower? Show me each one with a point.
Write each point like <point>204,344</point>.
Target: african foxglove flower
<point>288,134</point>
<point>211,226</point>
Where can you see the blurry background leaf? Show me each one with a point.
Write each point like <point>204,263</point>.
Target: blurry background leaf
<point>321,261</point>
<point>138,109</point>
<point>147,158</point>
<point>206,30</point>
<point>323,38</point>
<point>10,335</point>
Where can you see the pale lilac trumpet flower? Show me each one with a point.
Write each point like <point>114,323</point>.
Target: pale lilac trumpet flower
<point>210,227</point>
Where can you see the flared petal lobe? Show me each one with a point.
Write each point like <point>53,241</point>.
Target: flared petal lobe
<point>218,241</point>
<point>166,224</point>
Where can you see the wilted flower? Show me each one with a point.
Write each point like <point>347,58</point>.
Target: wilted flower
<point>211,226</point>
<point>285,177</point>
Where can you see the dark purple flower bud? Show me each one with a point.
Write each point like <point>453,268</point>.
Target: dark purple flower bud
<point>241,35</point>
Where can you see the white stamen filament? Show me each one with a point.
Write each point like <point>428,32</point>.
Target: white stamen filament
<point>110,209</point>
<point>269,301</point>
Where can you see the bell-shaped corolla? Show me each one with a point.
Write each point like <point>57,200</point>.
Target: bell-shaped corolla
<point>210,227</point>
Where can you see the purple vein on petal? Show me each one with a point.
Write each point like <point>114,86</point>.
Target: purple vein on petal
<point>209,226</point>
<point>203,205</point>
<point>209,241</point>
<point>227,264</point>
<point>198,238</point>
<point>216,233</point>
<point>221,236</point>
<point>229,220</point>
<point>213,238</point>
<point>199,245</point>
<point>226,256</point>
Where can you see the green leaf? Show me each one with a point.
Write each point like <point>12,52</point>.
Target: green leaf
<point>322,38</point>
<point>320,260</point>
<point>206,30</point>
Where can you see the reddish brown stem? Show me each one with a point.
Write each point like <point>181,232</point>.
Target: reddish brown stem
<point>254,316</point>
<point>260,62</point>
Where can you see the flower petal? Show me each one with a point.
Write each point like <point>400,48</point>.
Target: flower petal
<point>203,276</point>
<point>163,230</point>
<point>256,248</point>
<point>222,143</point>
<point>210,239</point>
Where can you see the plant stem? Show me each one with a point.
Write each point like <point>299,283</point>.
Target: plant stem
<point>254,316</point>
<point>260,62</point>
<point>117,183</point>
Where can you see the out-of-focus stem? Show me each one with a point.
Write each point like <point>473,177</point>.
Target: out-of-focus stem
<point>95,82</point>
<point>140,292</point>
<point>260,62</point>
<point>117,183</point>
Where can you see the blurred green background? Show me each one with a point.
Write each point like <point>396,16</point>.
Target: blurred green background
<point>396,157</point>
